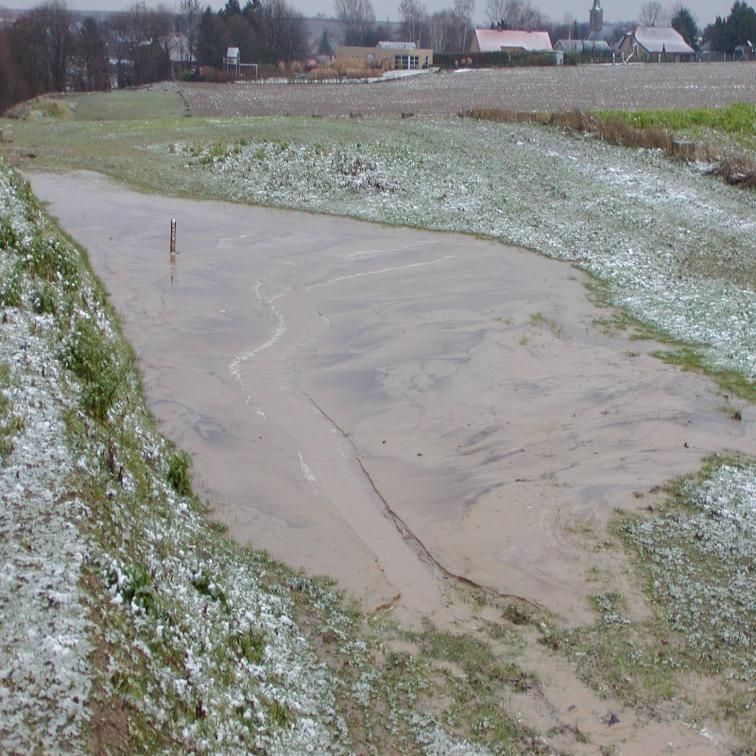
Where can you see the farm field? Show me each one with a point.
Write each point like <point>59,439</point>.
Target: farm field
<point>513,422</point>
<point>590,87</point>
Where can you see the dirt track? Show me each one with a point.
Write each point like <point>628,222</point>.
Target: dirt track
<point>609,87</point>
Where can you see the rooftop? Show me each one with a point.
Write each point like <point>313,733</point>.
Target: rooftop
<point>661,39</point>
<point>493,40</point>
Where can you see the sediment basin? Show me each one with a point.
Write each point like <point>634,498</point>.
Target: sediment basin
<point>395,408</point>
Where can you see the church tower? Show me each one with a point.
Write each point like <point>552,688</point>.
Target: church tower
<point>597,16</point>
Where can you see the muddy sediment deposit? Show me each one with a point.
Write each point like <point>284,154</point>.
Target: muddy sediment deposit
<point>391,407</point>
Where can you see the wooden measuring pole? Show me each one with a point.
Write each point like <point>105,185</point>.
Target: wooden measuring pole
<point>173,239</point>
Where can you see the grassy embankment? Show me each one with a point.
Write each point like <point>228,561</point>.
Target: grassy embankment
<point>615,654</point>
<point>724,137</point>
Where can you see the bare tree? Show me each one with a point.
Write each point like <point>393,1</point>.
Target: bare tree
<point>520,14</point>
<point>40,44</point>
<point>283,32</point>
<point>56,22</point>
<point>414,16</point>
<point>495,11</point>
<point>141,43</point>
<point>463,11</point>
<point>358,18</point>
<point>442,26</point>
<point>190,14</point>
<point>90,57</point>
<point>652,14</point>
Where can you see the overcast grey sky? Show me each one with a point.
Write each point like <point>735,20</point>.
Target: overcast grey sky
<point>704,11</point>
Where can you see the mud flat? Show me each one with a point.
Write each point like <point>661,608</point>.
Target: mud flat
<point>392,407</point>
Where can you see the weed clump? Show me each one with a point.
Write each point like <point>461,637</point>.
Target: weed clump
<point>10,293</point>
<point>92,360</point>
<point>249,645</point>
<point>178,473</point>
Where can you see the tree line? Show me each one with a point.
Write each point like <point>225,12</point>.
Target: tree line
<point>46,50</point>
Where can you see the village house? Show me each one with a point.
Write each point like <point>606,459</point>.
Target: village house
<point>655,43</point>
<point>386,56</point>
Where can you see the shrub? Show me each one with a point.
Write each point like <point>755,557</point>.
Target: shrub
<point>8,238</point>
<point>135,588</point>
<point>50,258</point>
<point>92,361</point>
<point>43,300</point>
<point>10,293</point>
<point>249,645</point>
<point>178,473</point>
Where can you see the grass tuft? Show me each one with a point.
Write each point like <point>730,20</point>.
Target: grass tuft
<point>178,473</point>
<point>92,360</point>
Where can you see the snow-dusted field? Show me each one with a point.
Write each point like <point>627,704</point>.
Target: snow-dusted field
<point>675,246</point>
<point>529,89</point>
<point>45,631</point>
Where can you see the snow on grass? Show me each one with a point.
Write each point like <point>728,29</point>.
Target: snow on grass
<point>700,556</point>
<point>44,680</point>
<point>675,246</point>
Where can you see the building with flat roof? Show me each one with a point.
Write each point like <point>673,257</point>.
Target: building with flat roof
<point>386,56</point>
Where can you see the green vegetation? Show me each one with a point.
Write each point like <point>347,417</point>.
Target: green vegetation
<point>739,118</point>
<point>723,131</point>
<point>538,319</point>
<point>686,356</point>
<point>43,107</point>
<point>126,105</point>
<point>92,360</point>
<point>178,473</point>
<point>10,425</point>
<point>690,358</point>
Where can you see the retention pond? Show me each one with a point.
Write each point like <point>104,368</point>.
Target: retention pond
<point>394,408</point>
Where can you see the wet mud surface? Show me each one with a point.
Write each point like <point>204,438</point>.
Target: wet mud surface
<point>391,407</point>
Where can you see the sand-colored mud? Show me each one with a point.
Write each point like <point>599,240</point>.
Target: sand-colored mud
<point>390,406</point>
